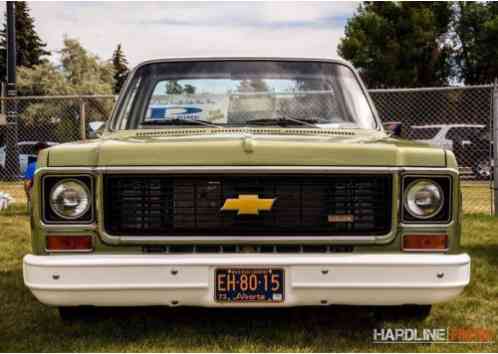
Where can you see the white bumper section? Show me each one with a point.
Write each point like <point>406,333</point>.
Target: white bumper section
<point>188,279</point>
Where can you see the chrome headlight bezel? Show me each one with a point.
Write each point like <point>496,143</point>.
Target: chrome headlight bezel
<point>442,214</point>
<point>51,215</point>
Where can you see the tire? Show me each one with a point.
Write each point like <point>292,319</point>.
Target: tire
<point>403,313</point>
<point>417,312</point>
<point>72,313</point>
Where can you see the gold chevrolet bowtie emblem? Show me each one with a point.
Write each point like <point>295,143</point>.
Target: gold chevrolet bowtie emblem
<point>248,204</point>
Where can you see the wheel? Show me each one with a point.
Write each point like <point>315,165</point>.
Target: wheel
<point>483,170</point>
<point>416,312</point>
<point>405,312</point>
<point>72,313</point>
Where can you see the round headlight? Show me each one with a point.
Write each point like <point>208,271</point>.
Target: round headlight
<point>70,199</point>
<point>423,199</point>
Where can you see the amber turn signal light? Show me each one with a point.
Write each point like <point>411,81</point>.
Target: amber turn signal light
<point>425,242</point>
<point>69,243</point>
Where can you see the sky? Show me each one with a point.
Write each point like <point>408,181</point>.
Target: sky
<point>149,30</point>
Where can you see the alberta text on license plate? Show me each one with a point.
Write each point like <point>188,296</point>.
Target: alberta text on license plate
<point>249,285</point>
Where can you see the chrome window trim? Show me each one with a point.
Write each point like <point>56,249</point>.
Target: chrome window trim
<point>118,105</point>
<point>98,172</point>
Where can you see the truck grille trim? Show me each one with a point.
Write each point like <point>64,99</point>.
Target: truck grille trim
<point>223,248</point>
<point>175,205</point>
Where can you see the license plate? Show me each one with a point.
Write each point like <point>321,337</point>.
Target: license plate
<point>249,285</point>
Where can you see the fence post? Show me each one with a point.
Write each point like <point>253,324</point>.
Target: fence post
<point>82,119</point>
<point>11,151</point>
<point>495,146</point>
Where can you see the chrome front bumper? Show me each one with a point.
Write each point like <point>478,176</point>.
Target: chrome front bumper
<point>188,279</point>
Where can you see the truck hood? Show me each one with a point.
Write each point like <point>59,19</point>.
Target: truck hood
<point>233,146</point>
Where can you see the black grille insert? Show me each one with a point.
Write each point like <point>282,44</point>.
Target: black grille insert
<point>166,205</point>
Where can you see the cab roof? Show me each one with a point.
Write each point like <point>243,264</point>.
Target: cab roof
<point>173,60</point>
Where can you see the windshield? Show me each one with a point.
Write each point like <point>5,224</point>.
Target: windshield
<point>244,93</point>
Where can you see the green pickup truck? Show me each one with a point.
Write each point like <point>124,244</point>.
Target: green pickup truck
<point>244,182</point>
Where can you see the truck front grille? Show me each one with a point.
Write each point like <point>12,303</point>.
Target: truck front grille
<point>170,205</point>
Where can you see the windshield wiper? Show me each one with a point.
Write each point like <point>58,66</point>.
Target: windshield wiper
<point>180,121</point>
<point>283,121</point>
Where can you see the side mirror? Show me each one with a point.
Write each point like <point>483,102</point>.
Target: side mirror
<point>393,129</point>
<point>96,129</point>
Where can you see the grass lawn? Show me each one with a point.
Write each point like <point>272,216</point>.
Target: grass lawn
<point>477,197</point>
<point>26,325</point>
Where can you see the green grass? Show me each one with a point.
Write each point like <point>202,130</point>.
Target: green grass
<point>26,325</point>
<point>477,197</point>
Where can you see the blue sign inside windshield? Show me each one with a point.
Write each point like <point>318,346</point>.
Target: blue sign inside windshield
<point>174,112</point>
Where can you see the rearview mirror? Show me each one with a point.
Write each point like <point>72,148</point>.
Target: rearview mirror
<point>393,128</point>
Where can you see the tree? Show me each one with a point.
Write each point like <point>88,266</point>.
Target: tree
<point>80,73</point>
<point>85,73</point>
<point>252,85</point>
<point>120,65</point>
<point>30,47</point>
<point>477,41</point>
<point>398,44</point>
<point>43,79</point>
<point>173,88</point>
<point>189,89</point>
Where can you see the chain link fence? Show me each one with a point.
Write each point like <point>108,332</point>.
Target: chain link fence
<point>455,118</point>
<point>51,120</point>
